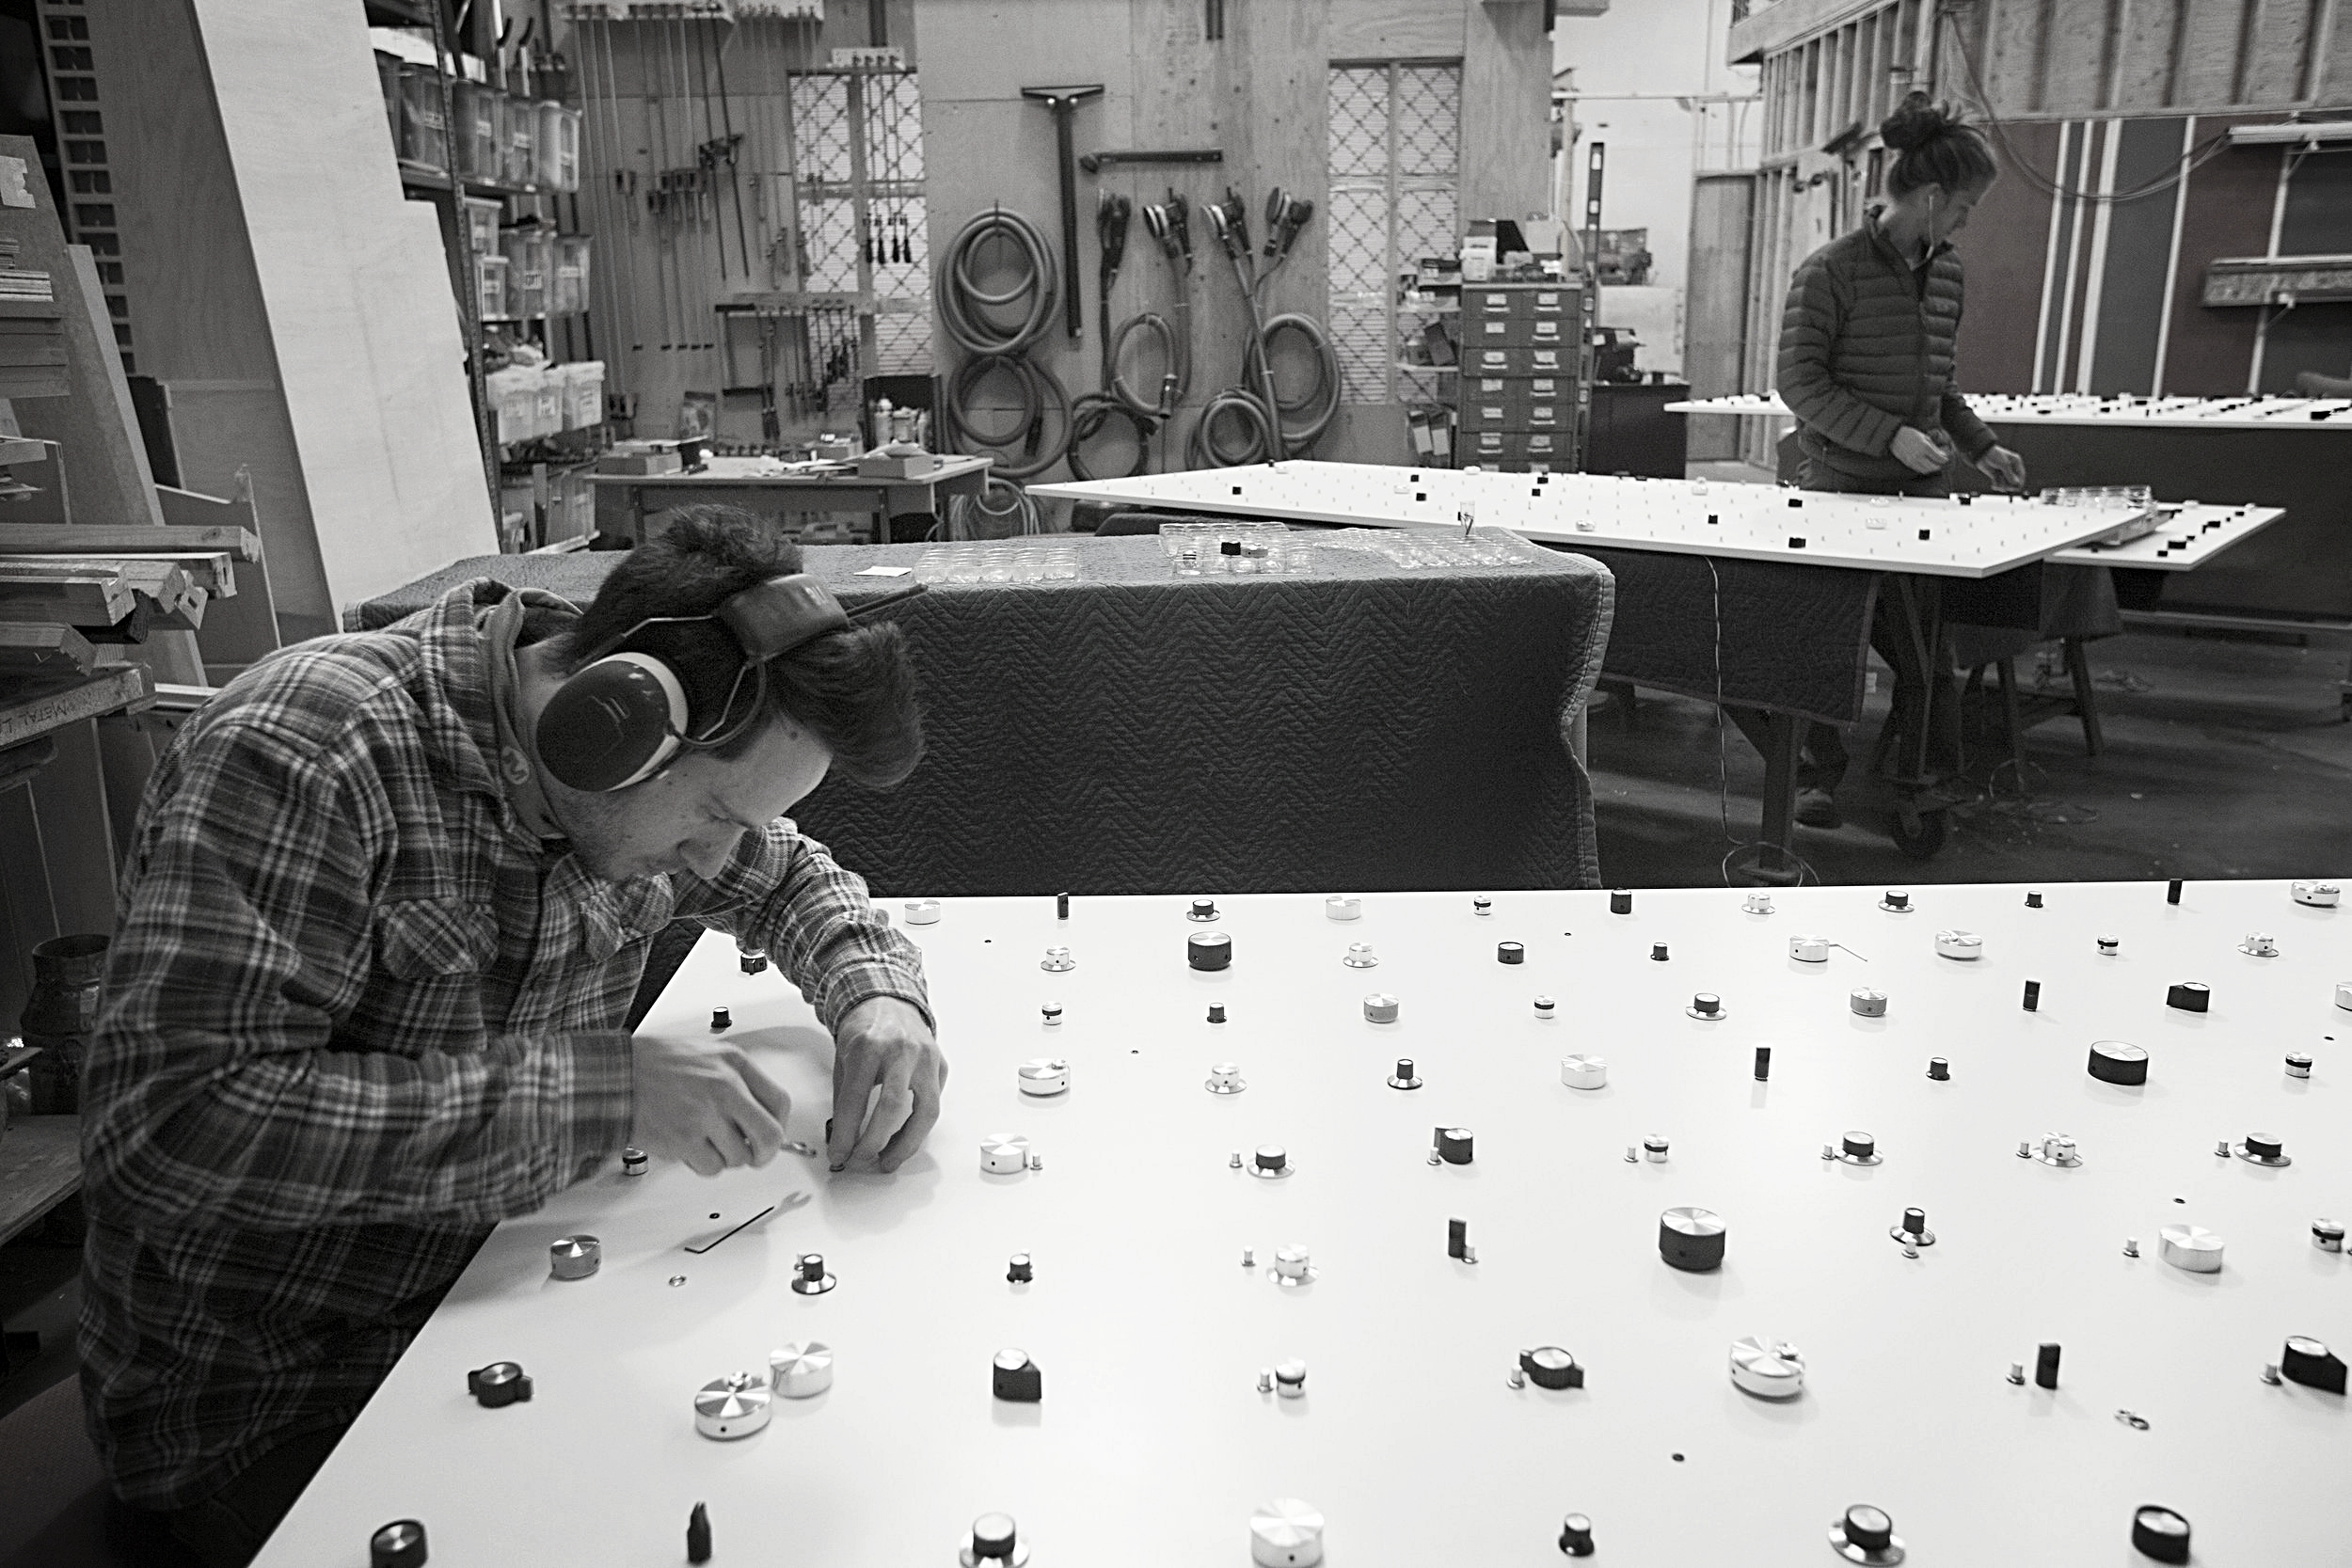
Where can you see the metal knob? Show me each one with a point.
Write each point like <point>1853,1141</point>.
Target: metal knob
<point>2261,1149</point>
<point>1290,1379</point>
<point>1286,1533</point>
<point>1958,945</point>
<point>994,1539</point>
<point>1404,1077</point>
<point>2192,1247</point>
<point>809,1277</point>
<point>2313,1364</point>
<point>1209,950</point>
<point>1003,1153</point>
<point>497,1385</point>
<point>1510,953</point>
<point>1359,956</point>
<point>1544,1009</point>
<point>800,1370</point>
<point>1270,1160</point>
<point>633,1162</point>
<point>922,911</point>
<point>2327,1235</point>
<point>1225,1078</point>
<point>2160,1534</point>
<point>1867,1003</point>
<point>1203,910</point>
<point>732,1406</point>
<point>1767,1368</point>
<point>1058,960</point>
<point>1042,1076</point>
<point>1015,1378</point>
<point>1811,950</point>
<point>1292,1266</point>
<point>1550,1367</point>
<point>1454,1145</point>
<point>1895,901</point>
<point>1379,1007</point>
<point>1859,1148</point>
<point>1866,1534</point>
<point>1707,1005</point>
<point>2319,896</point>
<point>1584,1072</point>
<point>1758,903</point>
<point>1576,1535</point>
<point>398,1544</point>
<point>1690,1239</point>
<point>2298,1064</point>
<point>575,1256</point>
<point>2258,944</point>
<point>1338,907</point>
<point>2189,996</point>
<point>1620,902</point>
<point>2115,1062</point>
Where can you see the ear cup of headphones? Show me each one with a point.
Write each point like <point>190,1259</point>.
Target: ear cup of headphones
<point>612,723</point>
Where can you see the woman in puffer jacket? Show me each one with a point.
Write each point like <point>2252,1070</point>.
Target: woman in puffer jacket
<point>1866,364</point>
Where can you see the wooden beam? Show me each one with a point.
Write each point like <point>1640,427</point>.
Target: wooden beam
<point>208,571</point>
<point>37,645</point>
<point>38,707</point>
<point>104,539</point>
<point>70,601</point>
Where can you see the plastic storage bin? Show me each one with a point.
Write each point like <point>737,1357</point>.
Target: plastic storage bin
<point>529,252</point>
<point>514,392</point>
<point>421,118</point>
<point>479,152</point>
<point>569,289</point>
<point>481,216</point>
<point>490,281</point>
<point>548,415</point>
<point>583,394</point>
<point>518,120</point>
<point>558,150</point>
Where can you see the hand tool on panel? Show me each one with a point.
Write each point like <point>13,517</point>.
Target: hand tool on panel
<point>1063,101</point>
<point>1095,163</point>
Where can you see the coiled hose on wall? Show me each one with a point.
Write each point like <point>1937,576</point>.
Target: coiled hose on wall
<point>1272,426</point>
<point>972,318</point>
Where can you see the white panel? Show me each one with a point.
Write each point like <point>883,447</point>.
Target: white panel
<point>1152,1444</point>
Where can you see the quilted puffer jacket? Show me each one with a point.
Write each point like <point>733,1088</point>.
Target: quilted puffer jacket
<point>1866,347</point>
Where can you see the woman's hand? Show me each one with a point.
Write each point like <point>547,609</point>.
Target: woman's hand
<point>2004,468</point>
<point>1921,452</point>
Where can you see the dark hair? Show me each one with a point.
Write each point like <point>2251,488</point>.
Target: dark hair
<point>854,690</point>
<point>1934,146</point>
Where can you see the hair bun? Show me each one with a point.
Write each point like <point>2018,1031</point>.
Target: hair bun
<point>1914,122</point>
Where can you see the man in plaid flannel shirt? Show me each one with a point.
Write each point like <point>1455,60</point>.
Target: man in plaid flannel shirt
<point>367,992</point>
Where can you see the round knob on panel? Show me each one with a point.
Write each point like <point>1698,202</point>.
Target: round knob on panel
<point>1270,1160</point>
<point>1359,956</point>
<point>1482,904</point>
<point>2312,1364</point>
<point>2192,1247</point>
<point>497,1385</point>
<point>2263,1147</point>
<point>1658,952</point>
<point>398,1544</point>
<point>2160,1533</point>
<point>1544,1009</point>
<point>2327,1235</point>
<point>1454,1145</point>
<point>1058,960</point>
<point>1510,953</point>
<point>1002,1153</point>
<point>2319,896</point>
<point>2189,996</point>
<point>721,1020</point>
<point>1939,1069</point>
<point>1867,1529</point>
<point>1690,1239</point>
<point>1550,1367</point>
<point>1203,910</point>
<point>2343,994</point>
<point>1654,1150</point>
<point>2115,1062</point>
<point>1338,907</point>
<point>1584,1072</point>
<point>1767,1368</point>
<point>1290,1379</point>
<point>1811,950</point>
<point>1867,1003</point>
<point>2259,944</point>
<point>2033,900</point>
<point>922,911</point>
<point>1958,945</point>
<point>1044,1075</point>
<point>994,1539</point>
<point>1380,1007</point>
<point>1758,903</point>
<point>2298,1064</point>
<point>633,1162</point>
<point>1225,1078</point>
<point>2111,946</point>
<point>1286,1533</point>
<point>1292,1265</point>
<point>1621,902</point>
<point>1014,1377</point>
<point>1895,900</point>
<point>1860,1145</point>
<point>575,1256</point>
<point>1404,1077</point>
<point>732,1406</point>
<point>802,1370</point>
<point>1049,1012</point>
<point>1707,1004</point>
<point>1209,950</point>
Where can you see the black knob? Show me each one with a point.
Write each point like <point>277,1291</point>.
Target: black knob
<point>2312,1364</point>
<point>1860,1145</point>
<point>1550,1367</point>
<point>753,963</point>
<point>1217,1012</point>
<point>698,1534</point>
<point>2160,1533</point>
<point>1270,1157</point>
<point>1510,953</point>
<point>1895,899</point>
<point>500,1382</point>
<point>721,1019</point>
<point>2262,1146</point>
<point>398,1544</point>
<point>2114,1062</point>
<point>2045,1366</point>
<point>992,1537</point>
<point>1019,1271</point>
<point>1209,949</point>
<point>2033,900</point>
<point>1454,1145</point>
<point>1914,1222</point>
<point>1016,1377</point>
<point>2191,996</point>
<point>1691,1240</point>
<point>1621,902</point>
<point>1204,909</point>
<point>1869,1527</point>
<point>1939,1069</point>
<point>1763,1063</point>
<point>1576,1535</point>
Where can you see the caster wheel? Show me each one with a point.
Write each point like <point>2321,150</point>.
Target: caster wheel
<point>1917,834</point>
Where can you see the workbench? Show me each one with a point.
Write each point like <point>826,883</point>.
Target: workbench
<point>1153,1444</point>
<point>626,502</point>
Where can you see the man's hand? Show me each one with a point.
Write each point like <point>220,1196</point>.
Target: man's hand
<point>884,1044</point>
<point>1919,451</point>
<point>2004,468</point>
<point>705,1104</point>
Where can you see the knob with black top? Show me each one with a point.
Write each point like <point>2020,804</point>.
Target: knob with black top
<point>1454,1145</point>
<point>2312,1364</point>
<point>1576,1535</point>
<point>1016,1378</point>
<point>499,1383</point>
<point>1690,1239</point>
<point>398,1544</point>
<point>1550,1367</point>
<point>1209,950</point>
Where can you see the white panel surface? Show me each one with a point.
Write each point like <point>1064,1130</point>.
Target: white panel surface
<point>1999,409</point>
<point>2191,535</point>
<point>1974,536</point>
<point>1152,1445</point>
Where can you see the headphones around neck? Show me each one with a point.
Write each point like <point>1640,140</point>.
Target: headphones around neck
<point>623,714</point>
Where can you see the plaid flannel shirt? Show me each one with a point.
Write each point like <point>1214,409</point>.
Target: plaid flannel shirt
<point>354,1015</point>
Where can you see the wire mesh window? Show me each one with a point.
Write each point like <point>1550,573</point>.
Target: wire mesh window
<point>1395,176</point>
<point>862,216</point>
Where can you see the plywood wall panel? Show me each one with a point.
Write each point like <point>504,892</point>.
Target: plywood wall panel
<point>1394,30</point>
<point>2282,39</point>
<point>2209,51</point>
<point>2145,79</point>
<point>1506,111</point>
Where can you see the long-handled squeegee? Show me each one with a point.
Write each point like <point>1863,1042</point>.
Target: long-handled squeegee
<point>1064,104</point>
